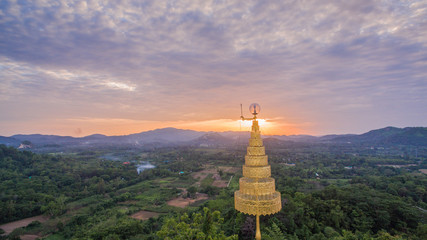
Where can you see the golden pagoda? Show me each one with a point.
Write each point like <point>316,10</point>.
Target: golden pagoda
<point>257,194</point>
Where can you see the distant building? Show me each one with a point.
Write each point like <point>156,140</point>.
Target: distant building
<point>25,146</point>
<point>289,164</point>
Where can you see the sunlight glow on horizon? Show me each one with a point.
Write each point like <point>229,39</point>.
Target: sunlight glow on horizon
<point>80,127</point>
<point>263,124</point>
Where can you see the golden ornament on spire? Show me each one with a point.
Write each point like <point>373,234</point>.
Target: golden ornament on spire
<point>257,195</point>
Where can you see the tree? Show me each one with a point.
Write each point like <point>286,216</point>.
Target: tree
<point>55,208</point>
<point>199,226</point>
<point>247,231</point>
<point>192,191</point>
<point>382,235</point>
<point>422,231</point>
<point>100,188</point>
<point>273,233</point>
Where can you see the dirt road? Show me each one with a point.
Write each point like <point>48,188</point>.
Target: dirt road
<point>9,227</point>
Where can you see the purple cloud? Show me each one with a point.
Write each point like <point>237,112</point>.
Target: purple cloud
<point>327,62</point>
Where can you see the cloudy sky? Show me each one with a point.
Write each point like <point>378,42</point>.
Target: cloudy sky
<point>118,67</point>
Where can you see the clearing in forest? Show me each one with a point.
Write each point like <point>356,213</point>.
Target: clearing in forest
<point>144,215</point>
<point>183,202</point>
<point>208,171</point>
<point>28,237</point>
<point>214,172</point>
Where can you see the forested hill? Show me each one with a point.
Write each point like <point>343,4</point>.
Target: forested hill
<point>411,136</point>
<point>416,136</point>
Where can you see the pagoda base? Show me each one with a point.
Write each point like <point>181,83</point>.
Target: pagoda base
<point>257,205</point>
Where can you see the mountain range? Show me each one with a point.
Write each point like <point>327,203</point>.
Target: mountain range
<point>416,136</point>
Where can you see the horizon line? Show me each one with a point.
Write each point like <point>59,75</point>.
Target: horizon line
<point>208,132</point>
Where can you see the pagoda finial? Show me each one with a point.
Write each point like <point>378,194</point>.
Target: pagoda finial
<point>254,109</point>
<point>257,194</point>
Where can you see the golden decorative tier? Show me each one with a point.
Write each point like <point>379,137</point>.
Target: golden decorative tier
<point>262,186</point>
<point>256,160</point>
<point>255,135</point>
<point>255,142</point>
<point>256,151</point>
<point>257,171</point>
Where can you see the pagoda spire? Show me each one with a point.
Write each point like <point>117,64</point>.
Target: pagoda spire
<point>257,194</point>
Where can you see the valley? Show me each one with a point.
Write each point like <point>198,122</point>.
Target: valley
<point>99,193</point>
